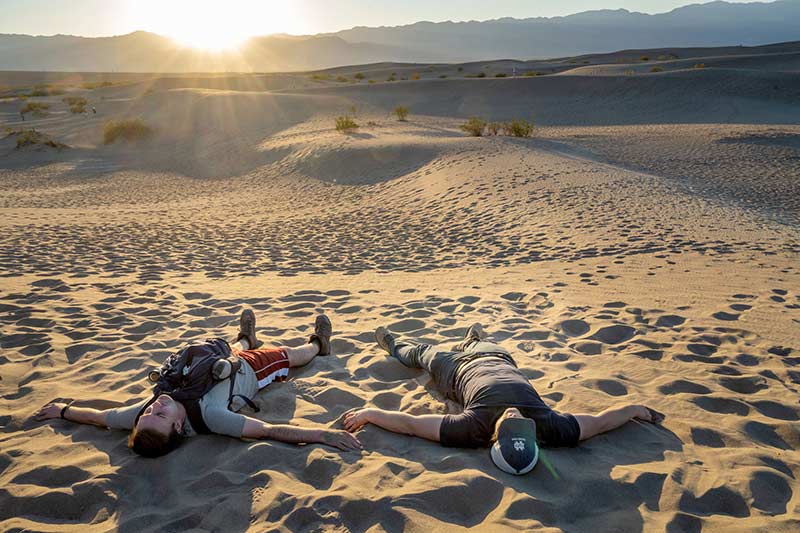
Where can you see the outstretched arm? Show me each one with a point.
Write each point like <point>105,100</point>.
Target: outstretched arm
<point>257,429</point>
<point>79,415</point>
<point>613,418</point>
<point>425,426</point>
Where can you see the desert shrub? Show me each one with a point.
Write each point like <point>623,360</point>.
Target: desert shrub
<point>370,81</point>
<point>359,76</point>
<point>415,76</point>
<point>345,124</point>
<point>481,75</point>
<point>127,130</point>
<point>667,57</point>
<point>700,65</point>
<point>341,79</point>
<point>320,77</point>
<point>519,128</point>
<point>461,69</point>
<point>532,73</point>
<point>77,104</point>
<point>38,109</point>
<point>45,90</point>
<point>96,85</point>
<point>644,58</point>
<point>401,112</point>
<point>500,75</point>
<point>494,128</point>
<point>74,100</point>
<point>391,78</point>
<point>28,137</point>
<point>656,69</point>
<point>474,126</point>
<point>442,76</point>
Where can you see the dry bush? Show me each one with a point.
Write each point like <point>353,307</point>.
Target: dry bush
<point>532,73</point>
<point>320,77</point>
<point>644,58</point>
<point>341,79</point>
<point>46,90</point>
<point>38,109</point>
<point>500,75</point>
<point>371,81</point>
<point>391,78</point>
<point>494,128</point>
<point>474,126</point>
<point>127,130</point>
<point>519,128</point>
<point>656,69</point>
<point>345,124</point>
<point>401,112</point>
<point>442,76</point>
<point>96,85</point>
<point>700,65</point>
<point>74,100</point>
<point>359,76</point>
<point>77,109</point>
<point>415,76</point>
<point>481,75</point>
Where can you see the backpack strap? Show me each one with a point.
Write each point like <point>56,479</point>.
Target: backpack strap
<point>141,411</point>
<point>235,366</point>
<point>195,416</point>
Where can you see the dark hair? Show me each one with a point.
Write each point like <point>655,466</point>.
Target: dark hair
<point>151,443</point>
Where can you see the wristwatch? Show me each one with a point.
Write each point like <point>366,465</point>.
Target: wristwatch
<point>64,409</point>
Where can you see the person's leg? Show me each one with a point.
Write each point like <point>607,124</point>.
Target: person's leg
<point>301,355</point>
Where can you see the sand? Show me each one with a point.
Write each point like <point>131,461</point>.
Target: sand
<point>630,251</point>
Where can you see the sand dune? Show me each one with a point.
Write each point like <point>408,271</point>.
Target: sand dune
<point>642,247</point>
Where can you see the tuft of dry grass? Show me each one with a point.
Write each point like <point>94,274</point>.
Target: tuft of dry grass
<point>96,85</point>
<point>38,109</point>
<point>519,128</point>
<point>127,130</point>
<point>700,65</point>
<point>401,112</point>
<point>474,126</point>
<point>656,69</point>
<point>345,124</point>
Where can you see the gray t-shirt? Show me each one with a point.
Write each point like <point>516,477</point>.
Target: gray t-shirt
<point>213,405</point>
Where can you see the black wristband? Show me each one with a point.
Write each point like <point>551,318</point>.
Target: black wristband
<point>64,409</point>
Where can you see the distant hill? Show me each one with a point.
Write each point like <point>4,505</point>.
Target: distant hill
<point>704,25</point>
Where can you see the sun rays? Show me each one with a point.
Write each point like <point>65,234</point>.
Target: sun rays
<point>215,25</point>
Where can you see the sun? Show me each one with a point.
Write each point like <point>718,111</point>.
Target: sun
<point>214,25</point>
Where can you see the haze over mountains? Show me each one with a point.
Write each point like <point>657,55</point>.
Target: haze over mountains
<point>713,24</point>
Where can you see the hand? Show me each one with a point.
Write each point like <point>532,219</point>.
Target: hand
<point>51,410</point>
<point>340,439</point>
<point>649,415</point>
<point>357,419</point>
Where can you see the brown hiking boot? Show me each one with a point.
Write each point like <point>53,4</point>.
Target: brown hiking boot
<point>474,333</point>
<point>247,330</point>
<point>322,334</point>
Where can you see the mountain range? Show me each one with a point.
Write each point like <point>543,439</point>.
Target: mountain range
<point>712,24</point>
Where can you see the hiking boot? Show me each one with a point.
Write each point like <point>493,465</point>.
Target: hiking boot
<point>322,334</point>
<point>474,333</point>
<point>247,330</point>
<point>385,340</point>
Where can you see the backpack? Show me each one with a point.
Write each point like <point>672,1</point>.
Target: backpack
<point>188,374</point>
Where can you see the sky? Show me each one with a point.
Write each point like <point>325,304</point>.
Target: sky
<point>231,21</point>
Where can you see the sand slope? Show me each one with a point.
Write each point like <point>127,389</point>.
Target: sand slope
<point>620,262</point>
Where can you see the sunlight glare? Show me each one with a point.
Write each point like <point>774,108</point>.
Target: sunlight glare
<point>213,24</point>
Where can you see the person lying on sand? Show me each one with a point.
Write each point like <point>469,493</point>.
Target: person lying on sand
<point>214,380</point>
<point>501,407</point>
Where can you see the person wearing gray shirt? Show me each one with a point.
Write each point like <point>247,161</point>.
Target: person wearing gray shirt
<point>158,424</point>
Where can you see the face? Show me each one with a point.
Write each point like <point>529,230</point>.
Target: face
<point>511,412</point>
<point>162,415</point>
